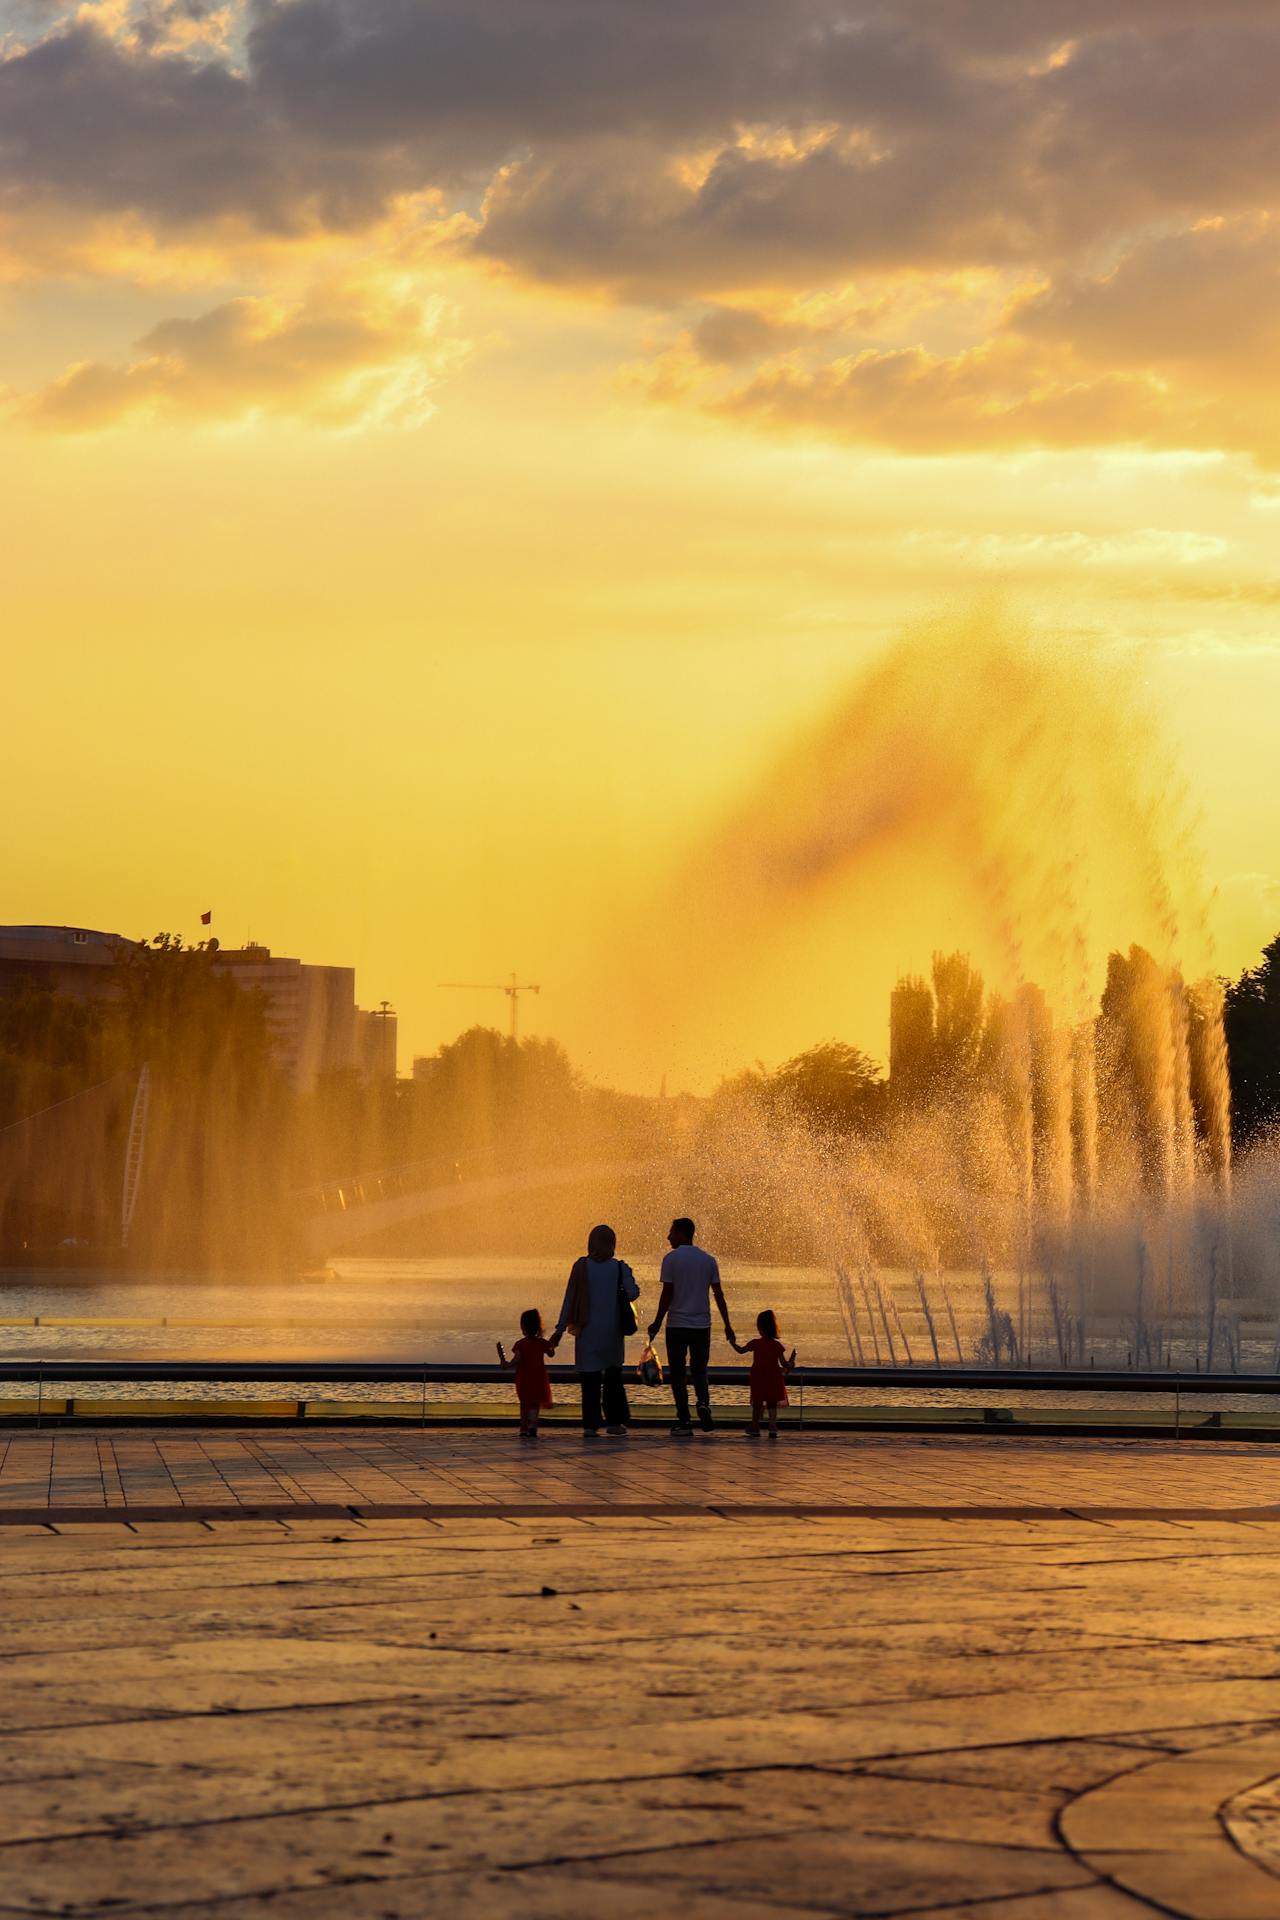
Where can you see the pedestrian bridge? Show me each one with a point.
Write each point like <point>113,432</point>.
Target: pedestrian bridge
<point>84,1159</point>
<point>342,1214</point>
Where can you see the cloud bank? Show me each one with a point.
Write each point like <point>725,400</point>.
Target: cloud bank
<point>978,225</point>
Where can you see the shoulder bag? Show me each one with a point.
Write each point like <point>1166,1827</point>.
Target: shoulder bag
<point>626,1308</point>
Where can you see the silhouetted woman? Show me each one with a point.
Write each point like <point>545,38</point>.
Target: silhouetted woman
<point>593,1313</point>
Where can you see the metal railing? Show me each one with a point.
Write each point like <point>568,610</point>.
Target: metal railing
<point>47,1372</point>
<point>415,1372</point>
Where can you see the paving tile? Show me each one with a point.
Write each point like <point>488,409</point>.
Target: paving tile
<point>1159,1831</point>
<point>856,1873</point>
<point>1207,1885</point>
<point>1057,1768</point>
<point>1074,1903</point>
<point>542,1895</point>
<point>233,1468</point>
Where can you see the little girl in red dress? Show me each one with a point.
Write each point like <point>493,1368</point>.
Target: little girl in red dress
<point>528,1362</point>
<point>770,1365</point>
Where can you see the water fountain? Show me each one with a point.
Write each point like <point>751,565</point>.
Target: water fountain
<point>1053,1175</point>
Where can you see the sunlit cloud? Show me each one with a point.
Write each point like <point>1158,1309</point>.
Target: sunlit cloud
<point>341,357</point>
<point>1143,547</point>
<point>1173,346</point>
<point>997,396</point>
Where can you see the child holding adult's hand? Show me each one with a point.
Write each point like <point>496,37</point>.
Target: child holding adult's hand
<point>529,1364</point>
<point>770,1365</point>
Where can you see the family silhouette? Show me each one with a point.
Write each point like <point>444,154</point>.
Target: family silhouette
<point>598,1311</point>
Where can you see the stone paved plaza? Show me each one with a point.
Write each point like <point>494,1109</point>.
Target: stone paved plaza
<point>377,1469</point>
<point>996,1678</point>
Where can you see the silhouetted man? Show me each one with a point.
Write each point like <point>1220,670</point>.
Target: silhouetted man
<point>689,1278</point>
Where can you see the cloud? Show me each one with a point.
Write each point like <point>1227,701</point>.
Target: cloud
<point>1135,551</point>
<point>1116,166</point>
<point>1175,346</point>
<point>1004,395</point>
<point>90,126</point>
<point>996,397</point>
<point>619,216</point>
<point>1206,297</point>
<point>663,147</point>
<point>728,335</point>
<point>342,357</point>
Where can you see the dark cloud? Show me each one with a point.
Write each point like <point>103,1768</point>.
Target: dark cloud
<point>618,217</point>
<point>1206,297</point>
<point>472,82</point>
<point>726,336</point>
<point>943,142</point>
<point>1010,28</point>
<point>468,83</point>
<point>87,123</point>
<point>1008,166</point>
<point>1181,118</point>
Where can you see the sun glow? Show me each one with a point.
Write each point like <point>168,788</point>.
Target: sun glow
<point>454,510</point>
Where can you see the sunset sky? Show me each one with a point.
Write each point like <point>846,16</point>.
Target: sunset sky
<point>454,450</point>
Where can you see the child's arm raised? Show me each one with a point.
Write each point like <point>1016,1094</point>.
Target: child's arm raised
<point>503,1360</point>
<point>789,1361</point>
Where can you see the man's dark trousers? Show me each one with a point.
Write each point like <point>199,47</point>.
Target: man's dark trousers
<point>688,1351</point>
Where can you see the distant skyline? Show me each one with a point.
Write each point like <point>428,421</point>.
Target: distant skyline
<point>453,451</point>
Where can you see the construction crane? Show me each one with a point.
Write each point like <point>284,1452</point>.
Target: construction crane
<point>513,988</point>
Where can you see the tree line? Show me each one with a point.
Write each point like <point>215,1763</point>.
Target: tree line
<point>234,1151</point>
<point>955,1036</point>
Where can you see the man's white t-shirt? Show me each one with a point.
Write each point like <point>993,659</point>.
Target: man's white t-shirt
<point>691,1273</point>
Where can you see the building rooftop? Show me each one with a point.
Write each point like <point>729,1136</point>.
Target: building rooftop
<point>74,936</point>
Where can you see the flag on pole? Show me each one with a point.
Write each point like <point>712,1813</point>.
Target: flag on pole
<point>206,919</point>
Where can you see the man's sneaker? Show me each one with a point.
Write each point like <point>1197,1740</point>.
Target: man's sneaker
<point>752,1433</point>
<point>591,1433</point>
<point>682,1430</point>
<point>704,1417</point>
<point>617,1431</point>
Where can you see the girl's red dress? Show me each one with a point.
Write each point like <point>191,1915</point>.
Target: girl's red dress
<point>533,1383</point>
<point>768,1381</point>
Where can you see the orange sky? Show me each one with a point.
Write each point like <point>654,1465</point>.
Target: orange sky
<point>454,451</point>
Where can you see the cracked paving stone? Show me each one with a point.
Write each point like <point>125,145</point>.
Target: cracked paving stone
<point>847,1715</point>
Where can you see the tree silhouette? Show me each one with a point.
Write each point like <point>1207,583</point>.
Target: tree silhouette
<point>1252,1020</point>
<point>957,1021</point>
<point>833,1086</point>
